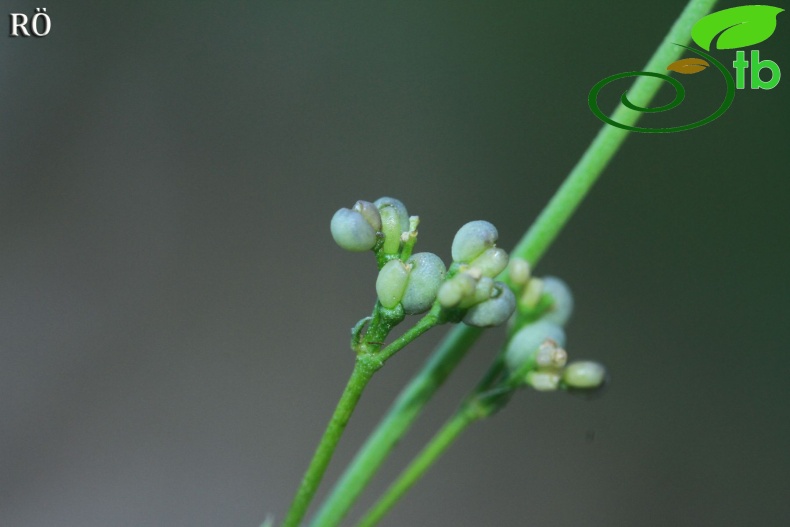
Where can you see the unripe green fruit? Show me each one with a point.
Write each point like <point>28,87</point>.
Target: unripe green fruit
<point>394,222</point>
<point>492,262</point>
<point>472,239</point>
<point>426,276</point>
<point>484,288</point>
<point>524,345</point>
<point>400,208</point>
<point>370,212</point>
<point>584,375</point>
<point>449,294</point>
<point>456,289</point>
<point>391,283</point>
<point>494,311</point>
<point>562,308</point>
<point>351,231</point>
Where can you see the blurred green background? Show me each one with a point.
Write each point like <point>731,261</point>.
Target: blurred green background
<point>175,314</point>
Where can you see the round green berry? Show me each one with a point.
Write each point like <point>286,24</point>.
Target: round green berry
<point>456,290</point>
<point>484,288</point>
<point>494,311</point>
<point>491,262</point>
<point>584,375</point>
<point>523,347</point>
<point>391,283</point>
<point>472,239</point>
<point>351,231</point>
<point>370,212</point>
<point>426,276</point>
<point>562,307</point>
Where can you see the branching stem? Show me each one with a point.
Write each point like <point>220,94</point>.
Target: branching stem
<point>531,247</point>
<point>369,360</point>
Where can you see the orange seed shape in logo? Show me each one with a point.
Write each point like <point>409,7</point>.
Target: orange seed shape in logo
<point>688,66</point>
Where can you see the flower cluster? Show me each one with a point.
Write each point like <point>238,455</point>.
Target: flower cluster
<point>416,282</point>
<point>535,355</point>
<point>478,260</point>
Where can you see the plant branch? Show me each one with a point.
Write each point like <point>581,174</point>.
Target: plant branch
<point>396,422</point>
<point>531,247</point>
<point>367,363</point>
<point>608,140</point>
<point>420,465</point>
<point>361,375</point>
<point>427,322</point>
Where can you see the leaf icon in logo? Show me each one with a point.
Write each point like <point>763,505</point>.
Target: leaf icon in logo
<point>688,66</point>
<point>739,27</point>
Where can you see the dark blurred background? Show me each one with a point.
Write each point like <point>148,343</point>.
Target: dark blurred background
<point>175,314</point>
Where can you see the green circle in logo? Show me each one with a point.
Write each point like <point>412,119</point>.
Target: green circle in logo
<point>680,94</point>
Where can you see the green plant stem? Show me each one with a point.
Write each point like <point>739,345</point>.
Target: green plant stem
<point>420,465</point>
<point>608,140</point>
<point>360,376</point>
<point>427,322</point>
<point>531,247</point>
<point>401,414</point>
<point>365,366</point>
<point>478,405</point>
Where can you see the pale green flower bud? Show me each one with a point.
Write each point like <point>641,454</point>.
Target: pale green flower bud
<point>370,212</point>
<point>492,262</point>
<point>472,239</point>
<point>391,283</point>
<point>494,311</point>
<point>530,295</point>
<point>519,271</point>
<point>351,231</point>
<point>456,289</point>
<point>550,355</point>
<point>449,294</point>
<point>402,214</point>
<point>483,290</point>
<point>562,308</point>
<point>414,222</point>
<point>394,222</point>
<point>584,375</point>
<point>543,381</point>
<point>425,278</point>
<point>523,347</point>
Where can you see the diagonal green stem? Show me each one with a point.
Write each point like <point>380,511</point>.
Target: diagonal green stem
<point>396,422</point>
<point>608,140</point>
<point>481,403</point>
<point>365,366</point>
<point>531,247</point>
<point>420,465</point>
<point>427,322</point>
<point>363,371</point>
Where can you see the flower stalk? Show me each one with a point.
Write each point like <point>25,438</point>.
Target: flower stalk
<point>532,246</point>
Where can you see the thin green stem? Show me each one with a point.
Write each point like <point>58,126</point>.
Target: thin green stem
<point>420,465</point>
<point>427,322</point>
<point>531,247</point>
<point>608,140</point>
<point>403,412</point>
<point>363,371</point>
<point>367,363</point>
